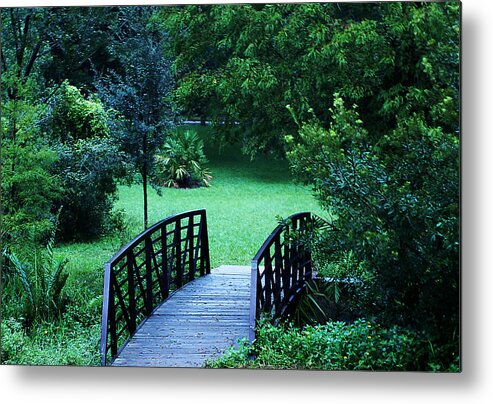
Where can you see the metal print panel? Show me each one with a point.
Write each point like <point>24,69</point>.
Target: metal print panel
<point>262,186</point>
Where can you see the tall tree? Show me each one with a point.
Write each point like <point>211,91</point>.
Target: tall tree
<point>394,186</point>
<point>242,64</point>
<point>139,93</point>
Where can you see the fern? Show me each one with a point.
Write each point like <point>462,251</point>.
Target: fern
<point>40,278</point>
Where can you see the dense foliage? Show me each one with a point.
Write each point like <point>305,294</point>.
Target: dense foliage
<point>88,163</point>
<point>395,192</point>
<point>362,345</point>
<point>256,59</point>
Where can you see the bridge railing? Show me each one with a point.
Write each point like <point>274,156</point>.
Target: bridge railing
<point>144,272</point>
<point>280,269</point>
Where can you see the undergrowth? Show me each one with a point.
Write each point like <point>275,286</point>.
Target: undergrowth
<point>362,345</point>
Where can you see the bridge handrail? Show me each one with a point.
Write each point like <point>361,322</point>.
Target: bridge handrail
<point>279,276</point>
<point>142,274</point>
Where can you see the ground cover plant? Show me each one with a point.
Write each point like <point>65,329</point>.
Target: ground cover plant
<point>360,345</point>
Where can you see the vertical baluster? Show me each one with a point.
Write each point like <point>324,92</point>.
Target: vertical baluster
<point>177,247</point>
<point>112,315</point>
<point>148,275</point>
<point>268,283</point>
<point>164,263</point>
<point>131,293</point>
<point>294,266</point>
<point>191,266</point>
<point>286,274</point>
<point>277,273</point>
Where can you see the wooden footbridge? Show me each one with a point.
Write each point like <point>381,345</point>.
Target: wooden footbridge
<point>163,306</point>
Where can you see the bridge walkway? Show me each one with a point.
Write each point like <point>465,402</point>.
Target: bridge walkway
<point>196,323</point>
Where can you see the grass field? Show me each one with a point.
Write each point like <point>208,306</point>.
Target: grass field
<point>242,204</point>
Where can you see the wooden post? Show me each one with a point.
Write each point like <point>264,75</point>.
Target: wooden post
<point>205,243</point>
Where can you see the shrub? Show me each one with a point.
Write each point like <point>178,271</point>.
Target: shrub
<point>88,163</point>
<point>74,117</point>
<point>89,170</point>
<point>396,209</point>
<point>28,187</point>
<point>181,162</point>
<point>362,345</point>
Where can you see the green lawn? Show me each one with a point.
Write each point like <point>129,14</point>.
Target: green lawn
<point>242,205</point>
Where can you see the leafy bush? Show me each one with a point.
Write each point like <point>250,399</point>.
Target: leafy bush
<point>88,163</point>
<point>89,170</point>
<point>74,117</point>
<point>28,186</point>
<point>362,345</point>
<point>37,281</point>
<point>399,224</point>
<point>181,161</point>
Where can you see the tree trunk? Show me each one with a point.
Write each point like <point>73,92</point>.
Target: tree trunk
<point>144,188</point>
<point>144,175</point>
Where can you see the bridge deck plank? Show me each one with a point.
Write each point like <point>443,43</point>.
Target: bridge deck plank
<point>198,322</point>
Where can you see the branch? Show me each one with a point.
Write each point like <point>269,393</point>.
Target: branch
<point>24,38</point>
<point>14,32</point>
<point>33,58</point>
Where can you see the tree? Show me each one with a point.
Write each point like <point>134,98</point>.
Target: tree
<point>256,59</point>
<point>393,189</point>
<point>138,95</point>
